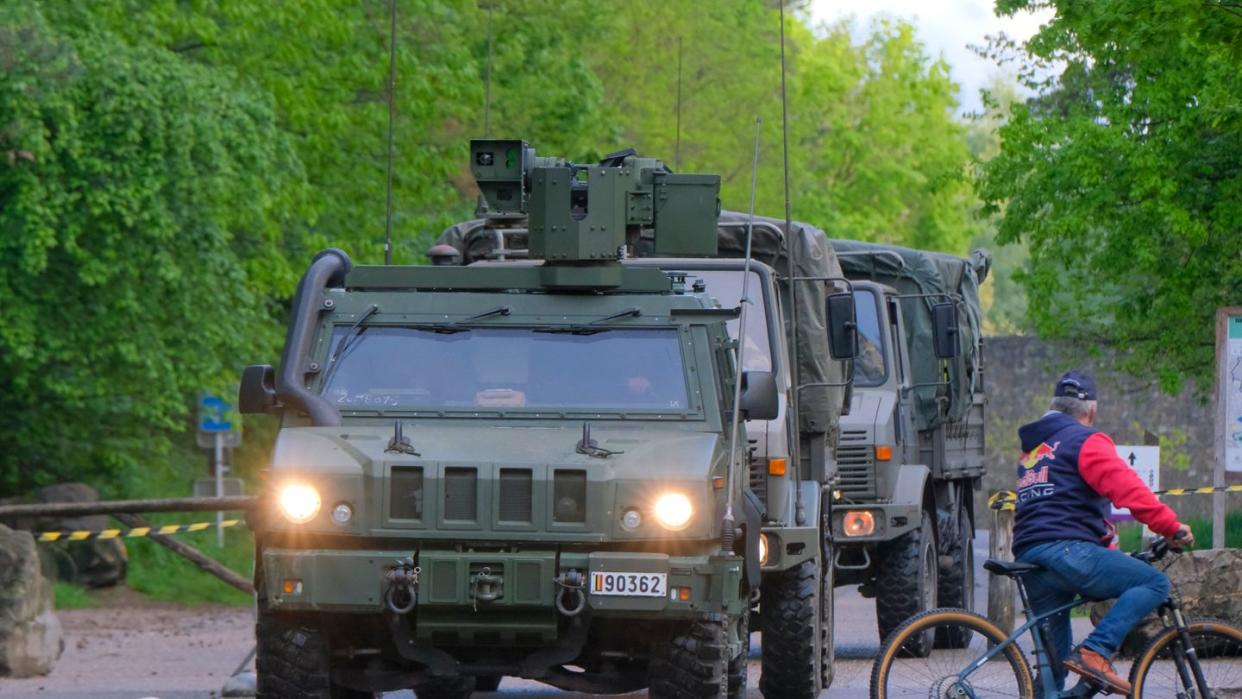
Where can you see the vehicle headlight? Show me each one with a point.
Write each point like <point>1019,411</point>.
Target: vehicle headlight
<point>298,502</point>
<point>673,510</point>
<point>763,549</point>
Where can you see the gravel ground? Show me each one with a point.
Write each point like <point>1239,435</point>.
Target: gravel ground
<point>133,649</point>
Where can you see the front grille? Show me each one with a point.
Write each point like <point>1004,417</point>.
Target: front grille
<point>855,465</point>
<point>461,494</point>
<point>515,495</point>
<point>569,497</point>
<point>759,479</point>
<point>405,495</point>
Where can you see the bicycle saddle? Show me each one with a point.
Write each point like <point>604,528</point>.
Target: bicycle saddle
<point>1012,569</point>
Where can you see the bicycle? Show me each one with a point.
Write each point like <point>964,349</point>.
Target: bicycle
<point>1195,659</point>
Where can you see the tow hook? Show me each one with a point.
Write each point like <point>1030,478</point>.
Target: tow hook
<point>570,599</point>
<point>402,594</point>
<point>485,587</point>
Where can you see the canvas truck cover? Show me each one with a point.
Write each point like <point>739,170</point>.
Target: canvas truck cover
<point>928,278</point>
<point>821,405</point>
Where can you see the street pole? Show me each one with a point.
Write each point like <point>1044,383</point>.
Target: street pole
<point>218,457</point>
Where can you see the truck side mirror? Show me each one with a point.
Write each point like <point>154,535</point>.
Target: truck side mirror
<point>759,401</point>
<point>944,325</point>
<point>842,327</point>
<point>257,394</point>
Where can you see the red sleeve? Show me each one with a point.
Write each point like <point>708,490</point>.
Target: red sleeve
<point>1109,476</point>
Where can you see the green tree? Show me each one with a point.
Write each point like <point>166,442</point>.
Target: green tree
<point>142,219</point>
<point>1124,176</point>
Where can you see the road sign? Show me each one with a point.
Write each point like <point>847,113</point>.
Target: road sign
<point>206,487</point>
<point>213,414</point>
<point>1146,461</point>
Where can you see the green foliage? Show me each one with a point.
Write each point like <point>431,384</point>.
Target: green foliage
<point>143,207</point>
<point>163,575</point>
<point>70,596</point>
<point>1129,535</point>
<point>1124,176</point>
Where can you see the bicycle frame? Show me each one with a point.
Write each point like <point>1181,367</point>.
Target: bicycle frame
<point>1043,665</point>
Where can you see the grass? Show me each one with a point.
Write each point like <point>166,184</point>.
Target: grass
<point>162,575</point>
<point>1129,534</point>
<point>70,596</point>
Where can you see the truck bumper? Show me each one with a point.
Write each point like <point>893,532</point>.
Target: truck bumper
<point>891,521</point>
<point>350,581</point>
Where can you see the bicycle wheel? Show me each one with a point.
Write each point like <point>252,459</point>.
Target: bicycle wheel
<point>1218,646</point>
<point>898,672</point>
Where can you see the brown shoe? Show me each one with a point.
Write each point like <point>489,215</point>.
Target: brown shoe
<point>1094,666</point>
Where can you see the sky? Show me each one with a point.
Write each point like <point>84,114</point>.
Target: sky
<point>945,27</point>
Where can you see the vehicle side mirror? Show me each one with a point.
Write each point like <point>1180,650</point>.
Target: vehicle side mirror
<point>944,326</point>
<point>842,327</point>
<point>759,400</point>
<point>257,394</point>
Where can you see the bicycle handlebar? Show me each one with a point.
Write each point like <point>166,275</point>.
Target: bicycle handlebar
<point>1158,549</point>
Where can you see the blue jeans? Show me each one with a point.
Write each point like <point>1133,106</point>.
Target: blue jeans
<point>1095,572</point>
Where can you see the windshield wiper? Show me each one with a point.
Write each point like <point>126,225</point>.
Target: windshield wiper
<point>457,326</point>
<point>355,331</point>
<point>592,327</point>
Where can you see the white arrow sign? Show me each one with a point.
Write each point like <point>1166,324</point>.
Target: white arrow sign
<point>1144,460</point>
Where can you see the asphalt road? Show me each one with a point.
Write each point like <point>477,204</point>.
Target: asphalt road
<point>188,653</point>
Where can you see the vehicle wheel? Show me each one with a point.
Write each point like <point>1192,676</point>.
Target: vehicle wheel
<point>956,586</point>
<point>905,582</point>
<point>1218,646</point>
<point>487,683</point>
<point>691,664</point>
<point>445,688</point>
<point>792,661</point>
<point>828,652</point>
<point>741,659</point>
<point>293,661</point>
<point>938,673</point>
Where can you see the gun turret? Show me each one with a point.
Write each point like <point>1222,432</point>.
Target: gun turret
<point>591,214</point>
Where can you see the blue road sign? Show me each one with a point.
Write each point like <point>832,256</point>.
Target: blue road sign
<point>213,414</point>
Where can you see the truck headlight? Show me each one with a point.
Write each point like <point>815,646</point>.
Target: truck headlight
<point>763,549</point>
<point>673,510</point>
<point>858,523</point>
<point>298,502</point>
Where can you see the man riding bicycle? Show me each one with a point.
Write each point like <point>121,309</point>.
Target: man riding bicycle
<point>1068,474</point>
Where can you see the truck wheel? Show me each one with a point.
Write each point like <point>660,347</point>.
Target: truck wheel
<point>293,661</point>
<point>445,688</point>
<point>957,584</point>
<point>828,652</point>
<point>692,664</point>
<point>793,633</point>
<point>905,583</point>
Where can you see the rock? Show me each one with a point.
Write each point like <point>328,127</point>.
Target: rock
<point>93,563</point>
<point>1210,585</point>
<point>31,640</point>
<point>243,684</point>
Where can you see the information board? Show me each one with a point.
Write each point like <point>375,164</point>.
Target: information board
<point>1231,393</point>
<point>1146,461</point>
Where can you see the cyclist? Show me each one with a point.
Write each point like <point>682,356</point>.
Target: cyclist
<point>1067,475</point>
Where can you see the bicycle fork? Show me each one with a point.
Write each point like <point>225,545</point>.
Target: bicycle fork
<point>1184,655</point>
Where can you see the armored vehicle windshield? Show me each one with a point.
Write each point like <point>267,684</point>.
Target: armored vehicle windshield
<point>869,366</point>
<point>557,368</point>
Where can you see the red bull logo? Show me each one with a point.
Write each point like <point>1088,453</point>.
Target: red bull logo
<point>1032,458</point>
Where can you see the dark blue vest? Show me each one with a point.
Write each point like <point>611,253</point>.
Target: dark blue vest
<point>1054,502</point>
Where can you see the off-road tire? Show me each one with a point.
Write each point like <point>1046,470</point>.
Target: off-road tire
<point>955,586</point>
<point>827,605</point>
<point>791,659</point>
<point>692,664</point>
<point>445,688</point>
<point>293,662</point>
<point>905,581</point>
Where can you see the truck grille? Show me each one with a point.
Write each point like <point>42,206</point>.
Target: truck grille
<point>569,490</point>
<point>515,495</point>
<point>855,465</point>
<point>759,479</point>
<point>405,496</point>
<point>461,494</point>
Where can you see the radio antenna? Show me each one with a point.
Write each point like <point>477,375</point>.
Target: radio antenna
<point>677,147</point>
<point>790,268</point>
<point>726,536</point>
<point>392,113</point>
<point>487,79</point>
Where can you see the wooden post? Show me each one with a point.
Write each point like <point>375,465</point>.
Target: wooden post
<point>1002,590</point>
<point>194,555</point>
<point>107,507</point>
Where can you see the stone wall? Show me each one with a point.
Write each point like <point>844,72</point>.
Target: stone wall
<point>1019,375</point>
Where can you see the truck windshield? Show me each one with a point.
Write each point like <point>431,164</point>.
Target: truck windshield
<point>726,287</point>
<point>402,368</point>
<point>869,367</point>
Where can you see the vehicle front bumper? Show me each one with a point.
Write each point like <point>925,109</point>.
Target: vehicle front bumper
<point>353,581</point>
<point>891,521</point>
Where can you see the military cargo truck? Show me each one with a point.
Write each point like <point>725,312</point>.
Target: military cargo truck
<point>794,607</point>
<point>911,448</point>
<point>520,470</point>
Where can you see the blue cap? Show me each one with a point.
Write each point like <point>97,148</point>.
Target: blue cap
<point>1076,384</point>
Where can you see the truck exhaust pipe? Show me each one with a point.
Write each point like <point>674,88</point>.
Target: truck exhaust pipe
<point>328,267</point>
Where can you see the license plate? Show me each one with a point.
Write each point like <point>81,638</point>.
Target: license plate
<point>629,584</point>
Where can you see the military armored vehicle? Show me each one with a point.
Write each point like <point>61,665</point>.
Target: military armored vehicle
<point>525,469</point>
<point>911,448</point>
<point>791,461</point>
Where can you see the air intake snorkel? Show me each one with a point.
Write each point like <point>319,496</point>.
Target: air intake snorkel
<point>328,269</point>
